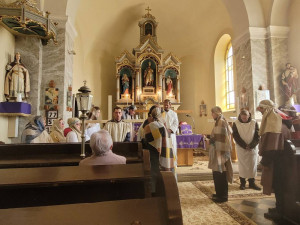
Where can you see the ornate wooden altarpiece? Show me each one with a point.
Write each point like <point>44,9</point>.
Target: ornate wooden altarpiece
<point>145,77</point>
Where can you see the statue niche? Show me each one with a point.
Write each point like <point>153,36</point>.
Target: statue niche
<point>148,28</point>
<point>125,83</point>
<point>149,73</point>
<point>170,83</point>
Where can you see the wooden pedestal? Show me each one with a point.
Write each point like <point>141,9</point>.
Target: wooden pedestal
<point>184,156</point>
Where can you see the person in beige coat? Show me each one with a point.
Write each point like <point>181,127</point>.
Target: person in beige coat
<point>57,131</point>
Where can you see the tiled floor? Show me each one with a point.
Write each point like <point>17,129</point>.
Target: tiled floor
<point>255,209</point>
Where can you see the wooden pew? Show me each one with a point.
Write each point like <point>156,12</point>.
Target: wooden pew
<point>26,187</point>
<point>291,161</point>
<point>59,154</point>
<point>165,209</point>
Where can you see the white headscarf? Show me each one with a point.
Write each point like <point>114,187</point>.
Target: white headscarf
<point>72,122</point>
<point>271,121</point>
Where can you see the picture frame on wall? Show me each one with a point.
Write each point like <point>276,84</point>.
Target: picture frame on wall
<point>203,109</point>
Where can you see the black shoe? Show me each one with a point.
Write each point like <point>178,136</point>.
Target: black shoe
<point>254,186</point>
<point>273,215</point>
<point>243,183</point>
<point>219,200</point>
<point>214,195</point>
<point>272,210</point>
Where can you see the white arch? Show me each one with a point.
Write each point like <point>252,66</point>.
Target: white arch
<point>255,13</point>
<point>239,16</point>
<point>279,14</point>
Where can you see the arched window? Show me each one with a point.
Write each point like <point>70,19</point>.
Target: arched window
<point>229,78</point>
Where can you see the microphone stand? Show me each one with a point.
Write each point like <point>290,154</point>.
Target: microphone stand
<point>187,115</point>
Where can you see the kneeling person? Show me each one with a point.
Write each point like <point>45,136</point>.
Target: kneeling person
<point>101,145</point>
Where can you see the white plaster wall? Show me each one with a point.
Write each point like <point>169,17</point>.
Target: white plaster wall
<point>7,46</point>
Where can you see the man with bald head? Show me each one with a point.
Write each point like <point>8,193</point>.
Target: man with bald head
<point>101,144</point>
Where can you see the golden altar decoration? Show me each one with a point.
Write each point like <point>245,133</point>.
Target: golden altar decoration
<point>23,18</point>
<point>146,76</point>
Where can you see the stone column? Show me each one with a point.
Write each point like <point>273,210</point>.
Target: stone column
<point>163,91</point>
<point>243,67</point>
<point>54,68</point>
<point>30,49</point>
<point>277,47</point>
<point>260,58</point>
<point>70,36</point>
<point>118,86</point>
<point>178,89</point>
<point>137,86</point>
<point>133,89</point>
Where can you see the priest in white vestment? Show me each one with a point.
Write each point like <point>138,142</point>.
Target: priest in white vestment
<point>118,129</point>
<point>245,134</point>
<point>171,120</point>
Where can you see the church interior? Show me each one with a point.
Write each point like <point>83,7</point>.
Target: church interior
<point>196,54</point>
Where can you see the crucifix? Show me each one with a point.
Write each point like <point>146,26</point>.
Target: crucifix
<point>148,9</point>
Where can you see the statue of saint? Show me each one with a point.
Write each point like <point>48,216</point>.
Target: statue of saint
<point>125,84</point>
<point>17,82</point>
<point>290,81</point>
<point>244,99</point>
<point>148,76</point>
<point>169,83</point>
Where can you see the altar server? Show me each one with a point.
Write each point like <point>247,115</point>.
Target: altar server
<point>35,131</point>
<point>245,133</point>
<point>130,115</point>
<point>92,127</point>
<point>171,122</point>
<point>118,129</point>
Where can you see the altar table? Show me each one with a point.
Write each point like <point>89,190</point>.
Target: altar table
<point>185,146</point>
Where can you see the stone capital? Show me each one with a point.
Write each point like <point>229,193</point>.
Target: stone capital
<point>278,31</point>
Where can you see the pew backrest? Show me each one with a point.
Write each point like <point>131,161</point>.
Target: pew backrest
<point>58,154</point>
<point>24,187</point>
<point>161,210</point>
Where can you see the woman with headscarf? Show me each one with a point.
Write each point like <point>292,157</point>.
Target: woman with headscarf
<point>92,127</point>
<point>57,131</point>
<point>220,155</point>
<point>273,131</point>
<point>245,134</point>
<point>35,131</point>
<point>157,140</point>
<point>75,134</point>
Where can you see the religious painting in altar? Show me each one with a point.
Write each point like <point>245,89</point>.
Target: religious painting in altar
<point>151,75</point>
